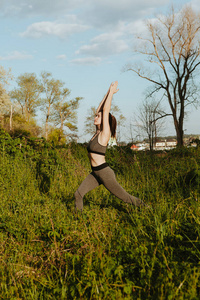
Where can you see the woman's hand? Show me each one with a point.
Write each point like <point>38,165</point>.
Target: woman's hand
<point>112,90</point>
<point>113,87</point>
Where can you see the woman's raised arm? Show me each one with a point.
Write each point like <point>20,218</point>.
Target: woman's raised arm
<point>100,107</point>
<point>112,90</point>
<point>105,133</point>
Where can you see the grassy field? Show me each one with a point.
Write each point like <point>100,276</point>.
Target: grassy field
<point>111,250</point>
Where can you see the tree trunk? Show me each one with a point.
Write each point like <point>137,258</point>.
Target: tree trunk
<point>179,132</point>
<point>46,127</point>
<point>11,115</point>
<point>47,123</point>
<point>61,127</point>
<point>150,142</point>
<point>2,120</point>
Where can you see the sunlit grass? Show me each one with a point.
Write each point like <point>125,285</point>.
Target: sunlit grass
<point>110,251</point>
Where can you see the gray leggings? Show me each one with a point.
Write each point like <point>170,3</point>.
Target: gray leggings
<point>103,174</point>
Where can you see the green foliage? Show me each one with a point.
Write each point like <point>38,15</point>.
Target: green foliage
<point>57,137</point>
<point>5,77</point>
<point>21,125</point>
<point>27,94</point>
<point>196,141</point>
<point>111,250</point>
<point>7,144</point>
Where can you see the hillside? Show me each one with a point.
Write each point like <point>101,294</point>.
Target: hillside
<point>111,250</point>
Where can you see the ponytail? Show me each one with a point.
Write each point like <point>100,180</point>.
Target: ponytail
<point>113,125</point>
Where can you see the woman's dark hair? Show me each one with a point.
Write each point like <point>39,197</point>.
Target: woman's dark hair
<point>113,125</point>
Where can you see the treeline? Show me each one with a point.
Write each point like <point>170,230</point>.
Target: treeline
<point>46,98</point>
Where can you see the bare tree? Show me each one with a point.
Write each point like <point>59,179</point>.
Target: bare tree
<point>173,46</point>
<point>148,120</point>
<point>120,123</point>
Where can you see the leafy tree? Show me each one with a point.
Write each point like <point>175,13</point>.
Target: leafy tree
<point>172,45</point>
<point>27,94</point>
<point>4,97</point>
<point>20,125</point>
<point>57,136</point>
<point>51,89</point>
<point>89,122</point>
<point>65,112</point>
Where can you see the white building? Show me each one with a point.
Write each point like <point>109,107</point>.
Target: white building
<point>159,145</point>
<point>166,144</point>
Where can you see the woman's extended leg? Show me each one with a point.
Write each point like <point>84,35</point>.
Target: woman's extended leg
<point>108,179</point>
<point>88,184</point>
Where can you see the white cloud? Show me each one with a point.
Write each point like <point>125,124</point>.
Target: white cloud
<point>86,61</point>
<point>16,55</point>
<point>195,5</point>
<point>61,30</point>
<point>121,20</point>
<point>61,57</point>
<point>98,13</point>
<point>105,44</point>
<point>107,13</point>
<point>10,8</point>
<point>135,28</point>
<point>116,41</point>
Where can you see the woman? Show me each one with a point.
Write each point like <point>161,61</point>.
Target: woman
<point>101,172</point>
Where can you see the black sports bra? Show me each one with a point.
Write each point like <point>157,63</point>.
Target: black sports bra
<point>95,147</point>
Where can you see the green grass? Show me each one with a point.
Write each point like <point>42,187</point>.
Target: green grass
<point>111,250</point>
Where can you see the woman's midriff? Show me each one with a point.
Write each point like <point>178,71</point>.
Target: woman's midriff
<point>96,159</point>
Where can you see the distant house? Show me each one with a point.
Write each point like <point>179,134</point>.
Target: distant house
<point>171,143</point>
<point>165,144</point>
<point>194,141</point>
<point>140,146</point>
<point>162,144</point>
<point>134,147</point>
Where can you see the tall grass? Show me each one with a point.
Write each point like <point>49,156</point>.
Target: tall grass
<point>110,251</point>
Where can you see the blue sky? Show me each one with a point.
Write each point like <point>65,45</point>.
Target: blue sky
<point>85,43</point>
